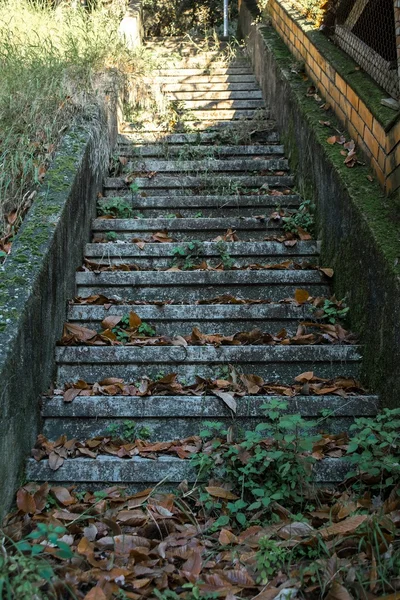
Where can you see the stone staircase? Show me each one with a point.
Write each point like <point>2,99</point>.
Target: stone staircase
<point>220,174</point>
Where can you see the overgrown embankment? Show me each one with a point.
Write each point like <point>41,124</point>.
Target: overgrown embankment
<point>50,63</point>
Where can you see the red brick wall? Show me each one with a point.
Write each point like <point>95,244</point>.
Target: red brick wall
<point>380,146</point>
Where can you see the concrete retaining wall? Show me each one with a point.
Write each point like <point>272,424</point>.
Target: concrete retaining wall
<point>358,228</point>
<point>37,280</point>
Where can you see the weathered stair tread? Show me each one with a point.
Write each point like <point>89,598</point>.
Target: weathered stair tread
<point>182,416</point>
<point>217,151</point>
<point>180,201</point>
<point>205,354</point>
<point>191,286</point>
<point>202,407</point>
<point>202,312</point>
<point>207,95</point>
<point>262,250</point>
<point>229,104</point>
<point>211,164</point>
<point>218,182</point>
<point>204,86</point>
<point>181,278</point>
<point>185,224</point>
<point>204,78</point>
<point>206,70</point>
<point>269,136</point>
<point>180,320</point>
<point>144,470</point>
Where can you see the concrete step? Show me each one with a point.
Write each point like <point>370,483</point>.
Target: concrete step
<point>202,78</point>
<point>209,207</point>
<point>210,69</point>
<point>159,256</point>
<point>274,363</point>
<point>269,136</point>
<point>226,319</point>
<point>206,96</point>
<point>184,230</point>
<point>207,104</point>
<point>249,252</point>
<point>177,151</point>
<point>177,417</point>
<point>229,127</point>
<point>136,471</point>
<point>220,86</point>
<point>237,165</point>
<point>220,184</point>
<point>217,202</point>
<point>191,286</point>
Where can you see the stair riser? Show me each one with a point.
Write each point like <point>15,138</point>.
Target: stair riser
<point>188,235</point>
<point>164,429</point>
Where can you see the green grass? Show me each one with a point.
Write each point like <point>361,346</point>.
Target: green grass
<point>51,62</point>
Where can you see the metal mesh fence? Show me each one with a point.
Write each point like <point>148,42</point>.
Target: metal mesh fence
<point>365,29</point>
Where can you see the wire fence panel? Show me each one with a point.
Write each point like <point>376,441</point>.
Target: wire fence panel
<point>365,29</point>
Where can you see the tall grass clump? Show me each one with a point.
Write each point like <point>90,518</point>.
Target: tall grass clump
<point>51,59</point>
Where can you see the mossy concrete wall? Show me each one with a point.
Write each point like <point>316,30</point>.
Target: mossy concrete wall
<point>36,282</point>
<point>358,227</point>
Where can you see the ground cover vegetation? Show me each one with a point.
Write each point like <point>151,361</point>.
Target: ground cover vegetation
<point>253,525</point>
<point>53,59</point>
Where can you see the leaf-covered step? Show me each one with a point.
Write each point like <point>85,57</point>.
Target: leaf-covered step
<point>267,136</point>
<point>277,363</point>
<point>137,471</point>
<point>206,183</point>
<point>229,255</point>
<point>191,286</point>
<point>180,319</point>
<point>232,164</point>
<point>177,417</point>
<point>177,151</point>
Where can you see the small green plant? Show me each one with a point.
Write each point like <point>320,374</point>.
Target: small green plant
<point>187,257</point>
<point>331,310</point>
<point>122,333</point>
<point>226,258</point>
<point>271,557</point>
<point>198,215</point>
<point>111,236</point>
<point>128,431</point>
<point>260,473</point>
<point>116,207</point>
<point>134,187</point>
<point>24,571</point>
<point>374,449</point>
<point>303,218</point>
